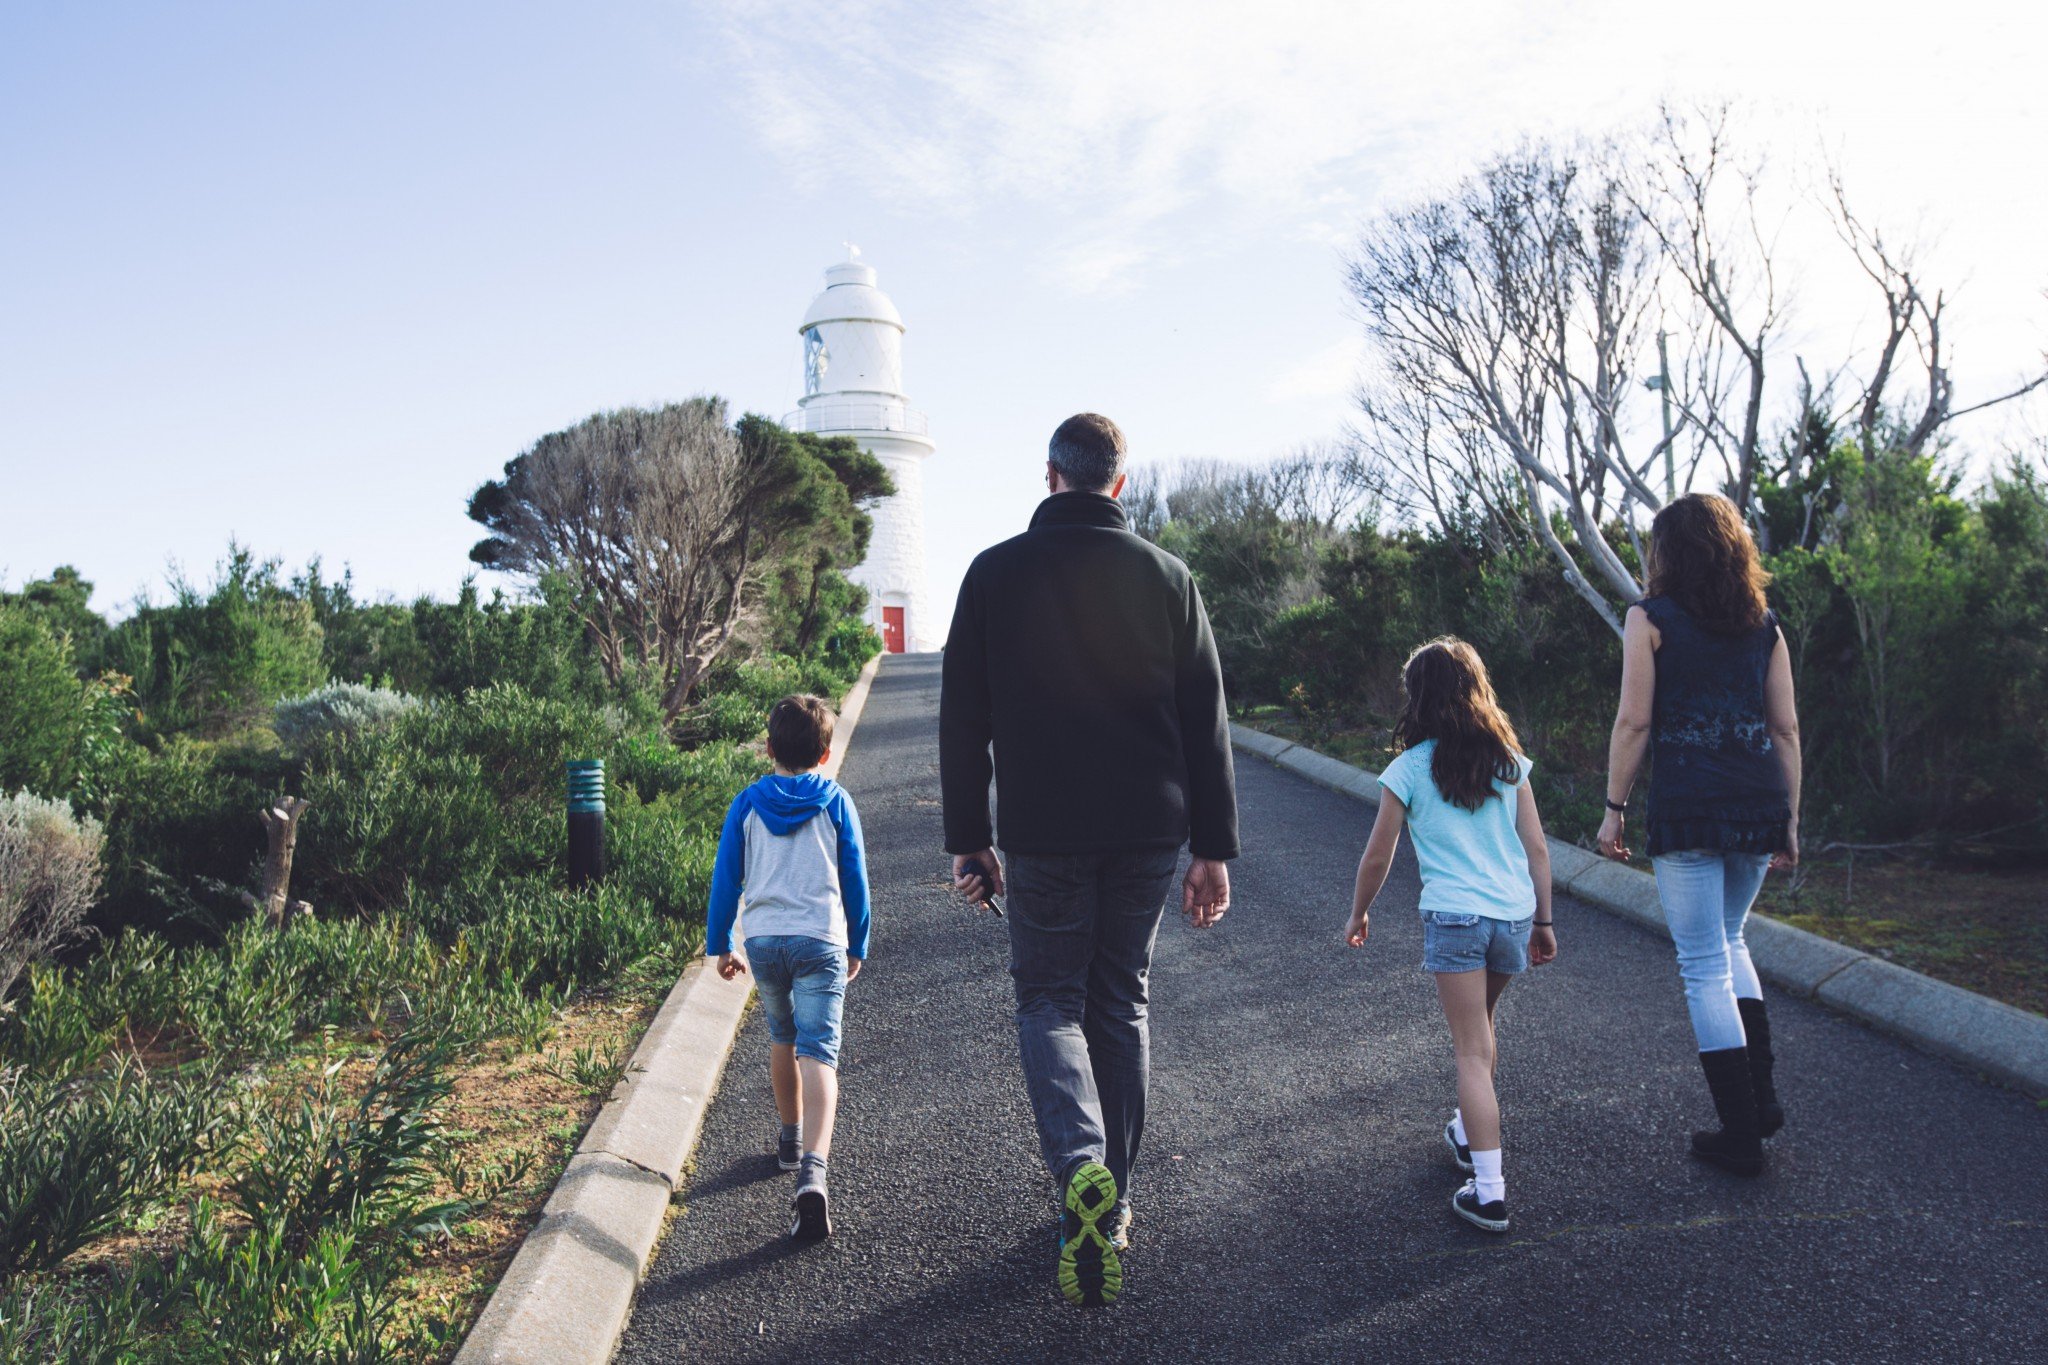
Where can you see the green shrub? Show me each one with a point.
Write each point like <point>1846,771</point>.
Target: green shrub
<point>185,820</point>
<point>42,707</point>
<point>338,1192</point>
<point>214,660</point>
<point>77,1157</point>
<point>87,1323</point>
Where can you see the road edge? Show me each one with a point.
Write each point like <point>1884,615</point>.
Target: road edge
<point>2005,1043</point>
<point>568,1293</point>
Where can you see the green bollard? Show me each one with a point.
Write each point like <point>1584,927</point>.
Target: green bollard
<point>586,821</point>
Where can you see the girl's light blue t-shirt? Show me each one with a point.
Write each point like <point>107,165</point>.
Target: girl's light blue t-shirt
<point>1473,862</point>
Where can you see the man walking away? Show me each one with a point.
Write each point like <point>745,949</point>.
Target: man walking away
<point>1083,654</point>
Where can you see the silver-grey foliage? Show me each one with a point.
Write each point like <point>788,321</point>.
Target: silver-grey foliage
<point>340,706</point>
<point>49,878</point>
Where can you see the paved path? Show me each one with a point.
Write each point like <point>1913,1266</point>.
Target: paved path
<point>1292,1199</point>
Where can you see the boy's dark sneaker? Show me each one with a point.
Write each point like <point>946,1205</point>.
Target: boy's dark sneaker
<point>1492,1215</point>
<point>786,1154</point>
<point>812,1218</point>
<point>1461,1155</point>
<point>1119,1232</point>
<point>1090,1274</point>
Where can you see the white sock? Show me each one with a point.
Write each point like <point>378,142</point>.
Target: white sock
<point>1458,1127</point>
<point>1486,1173</point>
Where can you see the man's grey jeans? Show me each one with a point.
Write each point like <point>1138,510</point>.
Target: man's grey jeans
<point>1082,928</point>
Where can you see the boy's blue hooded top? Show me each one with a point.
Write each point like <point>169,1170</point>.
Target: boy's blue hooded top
<point>790,861</point>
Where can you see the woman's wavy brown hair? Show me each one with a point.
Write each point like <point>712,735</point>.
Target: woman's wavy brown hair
<point>1703,558</point>
<point>1450,700</point>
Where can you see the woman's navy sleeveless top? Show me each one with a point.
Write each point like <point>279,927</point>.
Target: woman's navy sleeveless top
<point>1715,778</point>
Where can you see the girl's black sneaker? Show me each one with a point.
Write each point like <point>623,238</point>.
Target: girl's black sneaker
<point>786,1154</point>
<point>1492,1215</point>
<point>1461,1155</point>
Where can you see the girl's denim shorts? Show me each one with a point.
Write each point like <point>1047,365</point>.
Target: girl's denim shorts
<point>1465,943</point>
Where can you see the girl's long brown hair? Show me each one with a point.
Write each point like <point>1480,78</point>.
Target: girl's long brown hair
<point>1702,558</point>
<point>1450,700</point>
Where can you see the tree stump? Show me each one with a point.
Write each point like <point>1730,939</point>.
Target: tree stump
<point>281,823</point>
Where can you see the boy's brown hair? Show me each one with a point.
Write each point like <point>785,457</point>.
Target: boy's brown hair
<point>800,731</point>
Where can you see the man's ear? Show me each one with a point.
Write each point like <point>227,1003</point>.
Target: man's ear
<point>1116,490</point>
<point>824,757</point>
<point>1052,478</point>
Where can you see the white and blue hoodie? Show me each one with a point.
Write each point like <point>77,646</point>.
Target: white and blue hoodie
<point>783,870</point>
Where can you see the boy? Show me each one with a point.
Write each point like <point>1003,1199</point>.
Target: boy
<point>791,865</point>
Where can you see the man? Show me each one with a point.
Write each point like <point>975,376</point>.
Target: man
<point>1083,653</point>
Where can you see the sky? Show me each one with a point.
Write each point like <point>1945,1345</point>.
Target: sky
<point>304,275</point>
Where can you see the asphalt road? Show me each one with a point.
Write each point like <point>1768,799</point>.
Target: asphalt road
<point>1293,1196</point>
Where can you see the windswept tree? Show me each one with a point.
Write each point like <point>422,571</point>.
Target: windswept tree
<point>670,524</point>
<point>1513,320</point>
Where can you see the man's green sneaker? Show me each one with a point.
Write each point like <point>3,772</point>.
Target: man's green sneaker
<point>1090,1273</point>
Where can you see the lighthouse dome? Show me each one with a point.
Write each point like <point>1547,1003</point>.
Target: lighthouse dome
<point>850,296</point>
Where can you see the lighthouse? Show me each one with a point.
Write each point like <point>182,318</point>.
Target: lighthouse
<point>853,386</point>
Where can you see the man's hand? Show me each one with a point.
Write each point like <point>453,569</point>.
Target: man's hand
<point>1357,928</point>
<point>1542,945</point>
<point>977,876</point>
<point>1206,893</point>
<point>853,968</point>
<point>730,966</point>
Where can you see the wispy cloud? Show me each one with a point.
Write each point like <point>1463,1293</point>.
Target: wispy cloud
<point>1328,373</point>
<point>1109,119</point>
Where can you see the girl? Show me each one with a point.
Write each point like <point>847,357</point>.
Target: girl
<point>1706,687</point>
<point>1461,782</point>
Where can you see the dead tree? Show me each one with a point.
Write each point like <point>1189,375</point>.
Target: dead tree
<point>281,825</point>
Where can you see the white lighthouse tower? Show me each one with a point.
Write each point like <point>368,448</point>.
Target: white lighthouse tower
<point>853,386</point>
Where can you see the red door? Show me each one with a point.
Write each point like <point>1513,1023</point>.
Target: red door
<point>892,629</point>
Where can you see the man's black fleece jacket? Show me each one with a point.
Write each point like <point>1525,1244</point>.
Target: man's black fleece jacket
<point>1083,652</point>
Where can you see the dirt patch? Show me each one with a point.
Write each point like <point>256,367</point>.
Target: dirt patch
<point>1986,931</point>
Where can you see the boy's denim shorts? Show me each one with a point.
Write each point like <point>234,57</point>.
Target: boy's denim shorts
<point>1465,943</point>
<point>802,985</point>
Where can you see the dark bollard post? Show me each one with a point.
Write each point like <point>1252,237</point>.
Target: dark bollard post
<point>586,821</point>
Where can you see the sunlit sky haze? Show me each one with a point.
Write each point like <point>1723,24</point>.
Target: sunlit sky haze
<point>305,275</point>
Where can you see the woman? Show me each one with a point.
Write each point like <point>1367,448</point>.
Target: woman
<point>1706,679</point>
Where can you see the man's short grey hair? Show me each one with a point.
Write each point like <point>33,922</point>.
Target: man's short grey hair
<point>1088,451</point>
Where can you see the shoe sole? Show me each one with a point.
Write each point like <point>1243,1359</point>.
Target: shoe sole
<point>796,1165</point>
<point>1479,1221</point>
<point>1090,1275</point>
<point>813,1222</point>
<point>1456,1160</point>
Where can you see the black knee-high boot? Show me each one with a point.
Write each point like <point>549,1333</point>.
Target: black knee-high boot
<point>1756,1026</point>
<point>1738,1147</point>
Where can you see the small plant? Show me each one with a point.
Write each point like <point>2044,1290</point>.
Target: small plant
<point>45,1321</point>
<point>591,1068</point>
<point>76,1158</point>
<point>52,1029</point>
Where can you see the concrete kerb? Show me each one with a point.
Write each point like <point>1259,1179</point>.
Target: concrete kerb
<point>566,1296</point>
<point>2007,1044</point>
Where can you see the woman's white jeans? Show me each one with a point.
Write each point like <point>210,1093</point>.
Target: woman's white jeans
<point>1706,896</point>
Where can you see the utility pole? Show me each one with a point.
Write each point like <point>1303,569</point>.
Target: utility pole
<point>1660,383</point>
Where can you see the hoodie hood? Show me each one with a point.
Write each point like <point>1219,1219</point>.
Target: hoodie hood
<point>785,803</point>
